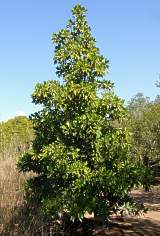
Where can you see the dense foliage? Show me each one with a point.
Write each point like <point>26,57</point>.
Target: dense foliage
<point>15,135</point>
<point>80,151</point>
<point>145,126</point>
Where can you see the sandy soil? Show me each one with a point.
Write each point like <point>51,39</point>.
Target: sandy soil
<point>144,225</point>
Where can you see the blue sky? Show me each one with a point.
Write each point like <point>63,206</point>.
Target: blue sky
<point>127,32</point>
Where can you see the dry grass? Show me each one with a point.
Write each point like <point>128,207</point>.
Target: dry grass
<point>16,216</point>
<point>11,182</point>
<point>13,208</point>
<point>10,187</point>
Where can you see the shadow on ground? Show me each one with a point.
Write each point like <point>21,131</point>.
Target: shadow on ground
<point>145,225</point>
<point>131,226</point>
<point>151,199</point>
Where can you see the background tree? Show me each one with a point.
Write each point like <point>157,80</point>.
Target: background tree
<point>145,126</point>
<point>138,104</point>
<point>80,151</point>
<point>15,136</point>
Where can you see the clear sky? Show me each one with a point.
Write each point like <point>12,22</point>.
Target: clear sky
<point>127,32</point>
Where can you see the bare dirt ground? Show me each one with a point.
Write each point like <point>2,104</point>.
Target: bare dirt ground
<point>144,225</point>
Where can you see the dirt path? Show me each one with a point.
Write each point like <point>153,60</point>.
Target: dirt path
<point>149,223</point>
<point>151,200</point>
<point>145,225</point>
